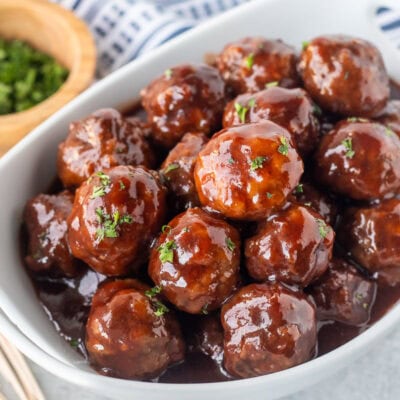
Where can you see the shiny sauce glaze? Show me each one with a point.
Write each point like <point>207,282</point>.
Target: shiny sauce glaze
<point>67,302</point>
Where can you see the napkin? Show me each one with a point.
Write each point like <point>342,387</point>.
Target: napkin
<point>125,29</point>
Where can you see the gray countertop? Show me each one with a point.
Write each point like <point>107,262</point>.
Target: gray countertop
<point>374,376</point>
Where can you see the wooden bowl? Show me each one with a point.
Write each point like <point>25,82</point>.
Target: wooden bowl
<point>57,32</point>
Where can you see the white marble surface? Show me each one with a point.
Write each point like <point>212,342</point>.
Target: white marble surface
<point>374,376</point>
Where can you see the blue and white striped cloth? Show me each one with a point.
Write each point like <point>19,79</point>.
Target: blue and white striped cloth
<point>125,29</point>
<point>389,21</point>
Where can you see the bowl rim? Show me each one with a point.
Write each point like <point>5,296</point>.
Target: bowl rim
<point>91,379</point>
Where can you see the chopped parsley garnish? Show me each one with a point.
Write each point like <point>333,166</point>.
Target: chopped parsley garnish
<point>229,243</point>
<point>98,191</point>
<point>165,228</point>
<point>166,251</point>
<point>356,119</point>
<point>257,162</point>
<point>252,102</point>
<point>269,195</point>
<point>305,44</point>
<point>322,228</point>
<point>122,185</point>
<point>250,61</point>
<point>27,76</point>
<point>153,291</point>
<point>317,110</point>
<point>241,112</point>
<point>348,145</point>
<point>110,224</point>
<point>43,238</point>
<point>204,309</point>
<point>284,146</point>
<point>389,131</point>
<point>100,214</point>
<point>160,308</point>
<point>168,73</point>
<point>126,219</point>
<point>171,167</point>
<point>271,84</point>
<point>359,296</point>
<point>231,161</point>
<point>186,229</point>
<point>74,343</point>
<point>105,181</point>
<point>299,188</point>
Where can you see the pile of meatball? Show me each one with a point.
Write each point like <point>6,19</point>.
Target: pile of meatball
<point>269,159</point>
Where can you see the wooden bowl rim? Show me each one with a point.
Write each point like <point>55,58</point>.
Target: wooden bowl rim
<point>80,75</point>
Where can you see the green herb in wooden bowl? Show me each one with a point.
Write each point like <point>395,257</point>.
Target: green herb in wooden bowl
<point>27,76</point>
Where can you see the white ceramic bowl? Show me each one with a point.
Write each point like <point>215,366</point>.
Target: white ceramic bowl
<point>29,167</point>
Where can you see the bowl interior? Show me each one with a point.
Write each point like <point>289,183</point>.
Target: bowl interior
<point>30,166</point>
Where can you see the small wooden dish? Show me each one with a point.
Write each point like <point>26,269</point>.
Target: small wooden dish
<point>57,32</point>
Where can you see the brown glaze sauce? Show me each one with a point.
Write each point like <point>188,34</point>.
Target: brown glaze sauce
<point>67,301</point>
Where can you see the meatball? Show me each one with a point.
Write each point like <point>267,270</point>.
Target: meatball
<point>187,98</point>
<point>293,246</point>
<point>130,334</point>
<point>289,108</point>
<point>178,169</point>
<point>103,140</point>
<point>391,117</point>
<point>196,261</point>
<point>360,160</point>
<point>345,75</point>
<point>116,214</point>
<point>209,337</point>
<point>45,220</point>
<point>250,63</point>
<point>267,328</point>
<point>343,294</point>
<point>308,195</point>
<point>372,236</point>
<point>246,171</point>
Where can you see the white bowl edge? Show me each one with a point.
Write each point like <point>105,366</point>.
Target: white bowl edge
<point>45,348</point>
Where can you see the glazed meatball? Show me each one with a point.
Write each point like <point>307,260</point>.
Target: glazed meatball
<point>391,117</point>
<point>246,171</point>
<point>187,98</point>
<point>360,160</point>
<point>293,246</point>
<point>196,261</point>
<point>127,336</point>
<point>345,75</point>
<point>45,220</point>
<point>104,139</point>
<point>267,328</point>
<point>372,236</point>
<point>178,169</point>
<point>343,294</point>
<point>289,108</point>
<point>209,336</point>
<point>323,204</point>
<point>116,214</point>
<point>250,63</point>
